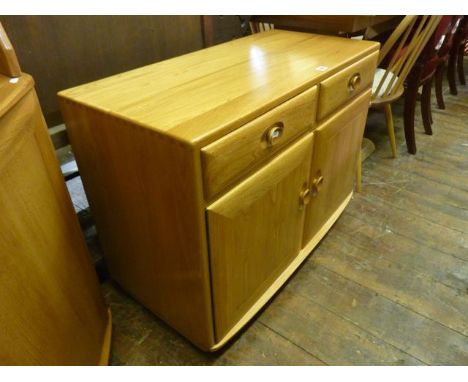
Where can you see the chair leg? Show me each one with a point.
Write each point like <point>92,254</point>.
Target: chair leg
<point>410,105</point>
<point>461,72</point>
<point>451,68</point>
<point>426,106</point>
<point>359,172</point>
<point>439,75</point>
<point>430,113</point>
<point>390,128</point>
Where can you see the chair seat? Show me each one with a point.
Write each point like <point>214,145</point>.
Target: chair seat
<point>378,75</point>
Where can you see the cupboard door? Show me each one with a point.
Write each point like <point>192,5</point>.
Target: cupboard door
<point>255,231</point>
<point>336,147</point>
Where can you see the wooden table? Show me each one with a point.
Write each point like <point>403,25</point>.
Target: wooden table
<point>339,25</point>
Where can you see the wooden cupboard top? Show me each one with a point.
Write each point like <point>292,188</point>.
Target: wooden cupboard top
<point>201,96</point>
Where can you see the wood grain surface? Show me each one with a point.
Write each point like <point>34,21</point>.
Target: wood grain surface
<point>228,159</point>
<point>376,289</point>
<point>256,74</point>
<point>52,310</point>
<point>336,90</point>
<point>150,216</point>
<point>68,50</point>
<point>203,266</point>
<point>337,145</point>
<point>255,231</point>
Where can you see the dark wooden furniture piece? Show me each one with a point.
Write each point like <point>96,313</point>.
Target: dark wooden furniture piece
<point>436,52</point>
<point>398,57</point>
<point>455,62</point>
<point>223,28</point>
<point>443,55</point>
<point>421,75</point>
<point>328,24</point>
<point>413,81</point>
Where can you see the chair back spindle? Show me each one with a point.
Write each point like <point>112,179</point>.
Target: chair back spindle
<point>409,38</point>
<point>257,26</point>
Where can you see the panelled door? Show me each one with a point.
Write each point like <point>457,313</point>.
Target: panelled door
<point>255,231</point>
<point>336,147</point>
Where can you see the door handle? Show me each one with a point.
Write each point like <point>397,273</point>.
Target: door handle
<point>274,133</point>
<point>304,197</point>
<point>354,82</point>
<point>317,183</point>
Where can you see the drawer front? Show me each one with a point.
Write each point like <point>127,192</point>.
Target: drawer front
<point>238,153</point>
<point>344,85</point>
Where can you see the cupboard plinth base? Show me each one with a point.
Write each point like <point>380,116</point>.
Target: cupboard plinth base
<point>287,273</point>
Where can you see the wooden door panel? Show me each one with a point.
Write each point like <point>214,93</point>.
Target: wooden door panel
<point>336,146</point>
<point>255,231</point>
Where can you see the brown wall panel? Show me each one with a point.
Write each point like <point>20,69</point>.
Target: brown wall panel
<point>219,29</point>
<point>64,51</point>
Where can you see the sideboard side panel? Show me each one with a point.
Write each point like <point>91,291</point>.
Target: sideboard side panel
<point>145,193</point>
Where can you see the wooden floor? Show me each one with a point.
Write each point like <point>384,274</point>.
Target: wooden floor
<point>388,285</point>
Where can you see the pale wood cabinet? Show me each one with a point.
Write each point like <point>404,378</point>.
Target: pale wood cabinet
<point>213,175</point>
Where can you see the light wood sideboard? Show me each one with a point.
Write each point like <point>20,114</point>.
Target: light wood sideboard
<point>213,175</point>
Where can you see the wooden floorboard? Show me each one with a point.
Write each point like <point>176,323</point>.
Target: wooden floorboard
<point>139,338</point>
<point>327,335</point>
<point>388,285</point>
<point>453,201</point>
<point>424,339</point>
<point>403,221</point>
<point>400,250</point>
<point>419,204</point>
<point>399,283</point>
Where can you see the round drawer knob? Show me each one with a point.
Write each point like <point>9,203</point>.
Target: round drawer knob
<point>354,82</point>
<point>274,133</point>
